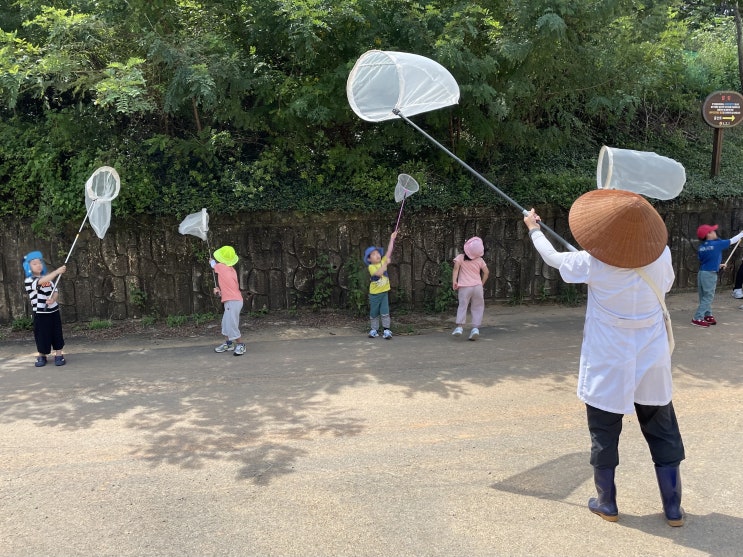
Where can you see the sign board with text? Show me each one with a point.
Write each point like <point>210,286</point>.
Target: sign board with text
<point>723,109</point>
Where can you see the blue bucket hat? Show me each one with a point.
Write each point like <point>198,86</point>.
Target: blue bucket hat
<point>368,252</point>
<point>27,262</point>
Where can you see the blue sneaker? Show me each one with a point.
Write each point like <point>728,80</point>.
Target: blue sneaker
<point>373,333</point>
<point>40,361</point>
<point>387,334</point>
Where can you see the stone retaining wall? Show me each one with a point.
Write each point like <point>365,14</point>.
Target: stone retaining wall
<point>144,266</point>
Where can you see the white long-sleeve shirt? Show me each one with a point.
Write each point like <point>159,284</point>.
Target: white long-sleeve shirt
<point>625,357</point>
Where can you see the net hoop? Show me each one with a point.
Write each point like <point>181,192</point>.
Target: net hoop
<point>406,186</point>
<point>103,185</point>
<point>382,82</point>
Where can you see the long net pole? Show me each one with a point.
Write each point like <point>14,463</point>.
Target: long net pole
<point>72,247</point>
<point>485,181</point>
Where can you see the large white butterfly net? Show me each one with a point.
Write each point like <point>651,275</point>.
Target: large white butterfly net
<point>642,172</point>
<point>384,81</point>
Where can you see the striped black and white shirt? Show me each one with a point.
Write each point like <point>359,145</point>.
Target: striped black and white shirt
<point>39,294</point>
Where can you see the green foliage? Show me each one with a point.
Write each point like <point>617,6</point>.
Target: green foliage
<point>149,320</point>
<point>445,296</point>
<point>22,324</point>
<point>138,298</point>
<point>201,318</point>
<point>570,295</point>
<point>176,320</point>
<point>98,324</point>
<point>262,312</point>
<point>358,287</point>
<point>324,280</point>
<point>240,106</point>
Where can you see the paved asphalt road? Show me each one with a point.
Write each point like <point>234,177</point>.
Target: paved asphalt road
<point>327,443</point>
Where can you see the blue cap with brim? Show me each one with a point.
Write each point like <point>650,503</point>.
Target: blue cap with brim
<point>369,251</point>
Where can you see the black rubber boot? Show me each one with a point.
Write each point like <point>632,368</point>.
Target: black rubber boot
<point>669,482</point>
<point>605,505</point>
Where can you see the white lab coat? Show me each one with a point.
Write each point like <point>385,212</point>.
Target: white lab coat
<point>625,357</point>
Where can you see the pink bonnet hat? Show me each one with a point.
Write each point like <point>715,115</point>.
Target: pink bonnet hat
<point>474,248</point>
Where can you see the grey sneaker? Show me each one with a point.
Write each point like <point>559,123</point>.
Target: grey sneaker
<point>240,349</point>
<point>738,293</point>
<point>373,333</point>
<point>457,332</point>
<point>474,333</point>
<point>225,346</point>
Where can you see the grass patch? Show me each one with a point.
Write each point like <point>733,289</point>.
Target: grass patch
<point>176,320</point>
<point>98,324</point>
<point>22,324</point>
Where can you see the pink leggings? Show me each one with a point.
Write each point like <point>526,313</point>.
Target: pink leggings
<point>471,296</point>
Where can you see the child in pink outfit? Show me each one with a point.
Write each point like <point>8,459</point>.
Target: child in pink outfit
<point>468,278</point>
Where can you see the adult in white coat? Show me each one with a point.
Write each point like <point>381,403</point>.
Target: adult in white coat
<point>625,362</point>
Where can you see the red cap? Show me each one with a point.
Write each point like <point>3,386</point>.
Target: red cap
<point>705,229</point>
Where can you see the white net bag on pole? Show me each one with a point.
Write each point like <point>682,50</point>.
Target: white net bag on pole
<point>406,186</point>
<point>382,82</point>
<point>101,188</point>
<point>642,172</point>
<point>196,224</point>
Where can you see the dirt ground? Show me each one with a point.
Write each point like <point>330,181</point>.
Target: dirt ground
<point>305,322</point>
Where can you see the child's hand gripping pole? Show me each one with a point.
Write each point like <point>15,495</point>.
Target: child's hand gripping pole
<point>731,253</point>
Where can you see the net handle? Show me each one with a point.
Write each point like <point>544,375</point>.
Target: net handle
<point>486,182</point>
<point>54,289</point>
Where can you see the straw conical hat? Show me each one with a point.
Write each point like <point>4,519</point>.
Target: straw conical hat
<point>618,227</point>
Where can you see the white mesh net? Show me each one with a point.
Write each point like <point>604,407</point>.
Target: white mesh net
<point>196,224</point>
<point>383,81</point>
<point>406,186</point>
<point>642,172</point>
<point>101,188</point>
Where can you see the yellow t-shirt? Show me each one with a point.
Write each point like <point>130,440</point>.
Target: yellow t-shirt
<point>378,284</point>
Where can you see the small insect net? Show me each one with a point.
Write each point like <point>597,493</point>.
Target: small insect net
<point>196,224</point>
<point>406,186</point>
<point>101,188</point>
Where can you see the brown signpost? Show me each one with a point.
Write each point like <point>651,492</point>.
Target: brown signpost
<point>721,109</point>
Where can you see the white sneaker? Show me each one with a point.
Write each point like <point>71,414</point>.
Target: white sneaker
<point>474,333</point>
<point>387,334</point>
<point>225,346</point>
<point>457,332</point>
<point>373,333</point>
<point>738,293</point>
<point>240,349</point>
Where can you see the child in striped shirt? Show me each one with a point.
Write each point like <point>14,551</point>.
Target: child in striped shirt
<point>47,321</point>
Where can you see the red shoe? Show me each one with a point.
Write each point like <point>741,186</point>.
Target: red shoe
<point>710,319</point>
<point>699,323</point>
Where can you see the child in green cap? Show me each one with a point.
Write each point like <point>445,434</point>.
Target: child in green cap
<point>228,288</point>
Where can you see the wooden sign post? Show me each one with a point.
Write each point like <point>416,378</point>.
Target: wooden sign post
<point>721,109</point>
